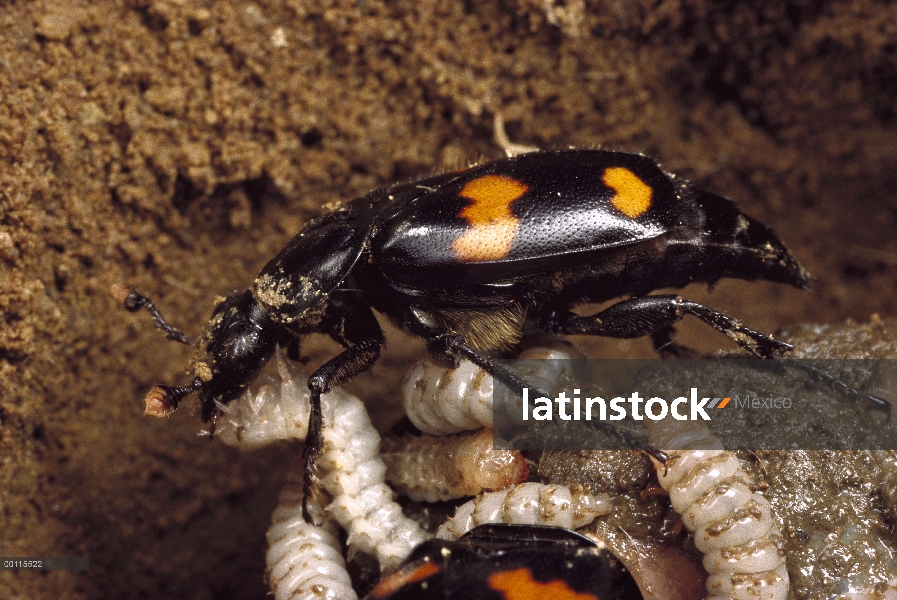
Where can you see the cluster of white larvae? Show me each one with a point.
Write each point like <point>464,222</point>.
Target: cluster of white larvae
<point>733,525</point>
<point>276,408</point>
<point>304,560</point>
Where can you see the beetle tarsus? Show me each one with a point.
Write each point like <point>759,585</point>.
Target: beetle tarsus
<point>314,441</point>
<point>758,344</point>
<point>840,387</point>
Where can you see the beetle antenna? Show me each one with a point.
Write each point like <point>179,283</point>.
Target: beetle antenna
<point>133,301</point>
<point>162,400</point>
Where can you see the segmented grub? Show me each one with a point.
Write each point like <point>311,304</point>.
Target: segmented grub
<point>277,408</point>
<point>304,561</point>
<point>528,504</point>
<point>733,525</point>
<point>433,468</point>
<point>441,400</point>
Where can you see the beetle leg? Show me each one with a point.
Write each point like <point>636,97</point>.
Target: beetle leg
<point>647,315</point>
<point>338,370</point>
<point>455,345</point>
<point>839,386</point>
<point>642,316</point>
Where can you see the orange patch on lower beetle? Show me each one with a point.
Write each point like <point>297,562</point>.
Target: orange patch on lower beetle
<point>396,581</point>
<point>520,585</point>
<point>633,196</point>
<point>492,225</point>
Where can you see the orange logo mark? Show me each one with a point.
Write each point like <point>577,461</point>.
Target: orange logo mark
<point>396,581</point>
<point>633,196</point>
<point>520,585</point>
<point>492,226</point>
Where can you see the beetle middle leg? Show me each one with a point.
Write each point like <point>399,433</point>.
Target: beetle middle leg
<point>645,315</point>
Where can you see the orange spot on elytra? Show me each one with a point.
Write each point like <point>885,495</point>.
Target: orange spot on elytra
<point>396,581</point>
<point>520,585</point>
<point>492,225</point>
<point>633,196</point>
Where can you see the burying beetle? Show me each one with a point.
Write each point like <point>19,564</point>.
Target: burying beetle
<point>508,561</point>
<point>464,259</point>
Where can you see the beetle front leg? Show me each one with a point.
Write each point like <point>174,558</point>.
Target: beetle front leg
<point>642,316</point>
<point>338,370</point>
<point>351,323</point>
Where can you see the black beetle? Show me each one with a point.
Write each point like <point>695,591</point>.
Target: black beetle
<point>465,258</point>
<point>507,561</point>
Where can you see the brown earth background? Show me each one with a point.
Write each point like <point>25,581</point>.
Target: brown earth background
<point>176,146</point>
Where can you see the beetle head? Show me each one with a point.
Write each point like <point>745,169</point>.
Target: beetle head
<point>237,342</point>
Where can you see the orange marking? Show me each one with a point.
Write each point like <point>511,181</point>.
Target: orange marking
<point>633,196</point>
<point>520,585</point>
<point>724,403</point>
<point>492,226</point>
<point>396,581</point>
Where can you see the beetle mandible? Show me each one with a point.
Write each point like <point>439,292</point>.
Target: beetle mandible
<point>465,258</point>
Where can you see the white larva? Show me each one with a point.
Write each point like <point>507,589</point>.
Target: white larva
<point>433,468</point>
<point>528,504</point>
<point>441,400</point>
<point>733,526</point>
<point>304,561</point>
<point>354,476</point>
<point>277,408</point>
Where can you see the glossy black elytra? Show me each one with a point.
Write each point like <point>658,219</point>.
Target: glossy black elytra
<point>465,258</point>
<point>507,562</point>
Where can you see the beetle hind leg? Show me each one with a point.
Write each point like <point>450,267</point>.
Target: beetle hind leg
<point>650,315</point>
<point>646,315</point>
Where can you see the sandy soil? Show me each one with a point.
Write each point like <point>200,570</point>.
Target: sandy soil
<point>176,146</point>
